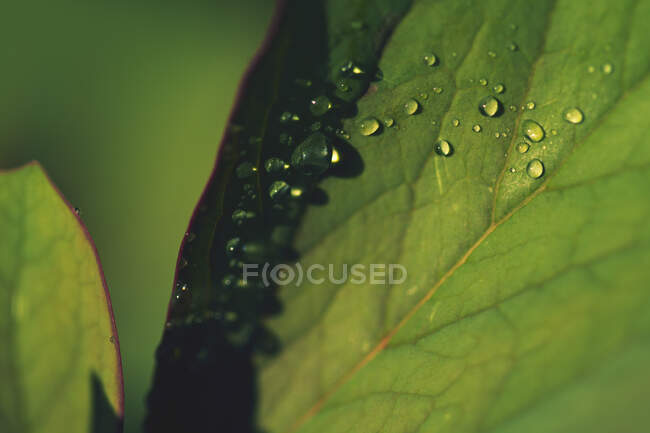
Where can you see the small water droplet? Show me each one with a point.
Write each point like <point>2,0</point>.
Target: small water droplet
<point>274,165</point>
<point>499,88</point>
<point>476,128</point>
<point>489,106</point>
<point>532,130</point>
<point>535,169</point>
<point>342,85</point>
<point>278,189</point>
<point>513,108</point>
<point>336,156</point>
<point>513,26</point>
<point>424,96</point>
<point>523,147</point>
<point>240,216</point>
<point>497,135</point>
<point>574,115</point>
<point>368,126</point>
<point>389,122</point>
<point>455,122</point>
<point>314,155</point>
<point>553,132</point>
<point>591,69</point>
<point>245,169</point>
<point>513,170</point>
<point>320,105</point>
<point>430,59</point>
<point>411,106</point>
<point>437,90</point>
<point>513,47</point>
<point>530,105</point>
<point>233,246</point>
<point>608,68</point>
<point>343,134</point>
<point>483,81</point>
<point>443,148</point>
<point>492,54</point>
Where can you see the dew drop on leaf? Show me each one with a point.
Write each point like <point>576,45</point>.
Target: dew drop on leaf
<point>274,165</point>
<point>411,106</point>
<point>314,155</point>
<point>389,122</point>
<point>278,189</point>
<point>483,81</point>
<point>608,68</point>
<point>489,106</point>
<point>437,90</point>
<point>430,59</point>
<point>444,148</point>
<point>523,147</point>
<point>530,105</point>
<point>513,47</point>
<point>455,122</point>
<point>368,126</point>
<point>499,88</point>
<point>245,170</point>
<point>533,130</point>
<point>320,105</point>
<point>476,128</point>
<point>574,115</point>
<point>535,169</point>
<point>233,246</point>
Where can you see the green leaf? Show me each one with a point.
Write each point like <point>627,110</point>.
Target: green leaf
<point>526,306</point>
<point>59,363</point>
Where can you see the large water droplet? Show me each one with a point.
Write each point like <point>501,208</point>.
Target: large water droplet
<point>368,126</point>
<point>444,148</point>
<point>489,106</point>
<point>535,169</point>
<point>411,106</point>
<point>313,156</point>
<point>574,115</point>
<point>320,105</point>
<point>532,130</point>
<point>430,59</point>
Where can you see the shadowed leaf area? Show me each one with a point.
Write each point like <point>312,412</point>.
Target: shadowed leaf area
<point>59,363</point>
<point>498,151</point>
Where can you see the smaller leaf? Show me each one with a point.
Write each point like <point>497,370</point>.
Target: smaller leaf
<point>59,359</point>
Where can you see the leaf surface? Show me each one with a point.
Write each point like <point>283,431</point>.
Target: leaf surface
<point>60,363</point>
<point>527,287</point>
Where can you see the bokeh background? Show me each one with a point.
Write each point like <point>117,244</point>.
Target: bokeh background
<point>124,104</point>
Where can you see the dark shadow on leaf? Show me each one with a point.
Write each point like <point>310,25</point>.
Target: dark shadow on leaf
<point>104,418</point>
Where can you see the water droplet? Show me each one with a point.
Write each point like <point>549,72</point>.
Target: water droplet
<point>489,106</point>
<point>455,122</point>
<point>434,122</point>
<point>553,132</point>
<point>497,135</point>
<point>274,165</point>
<point>535,169</point>
<point>342,85</point>
<point>530,105</point>
<point>513,170</point>
<point>532,130</point>
<point>303,83</point>
<point>411,106</point>
<point>297,191</point>
<point>233,246</point>
<point>608,68</point>
<point>483,81</point>
<point>437,90</point>
<point>313,156</point>
<point>245,169</point>
<point>591,69</point>
<point>499,88</point>
<point>476,128</point>
<point>389,122</point>
<point>513,108</point>
<point>343,134</point>
<point>574,115</point>
<point>240,216</point>
<point>443,148</point>
<point>368,126</point>
<point>513,47</point>
<point>278,189</point>
<point>286,139</point>
<point>430,59</point>
<point>424,96</point>
<point>523,147</point>
<point>320,105</point>
<point>492,54</point>
<point>77,211</point>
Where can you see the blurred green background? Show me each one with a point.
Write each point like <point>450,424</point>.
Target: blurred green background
<point>124,104</point>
